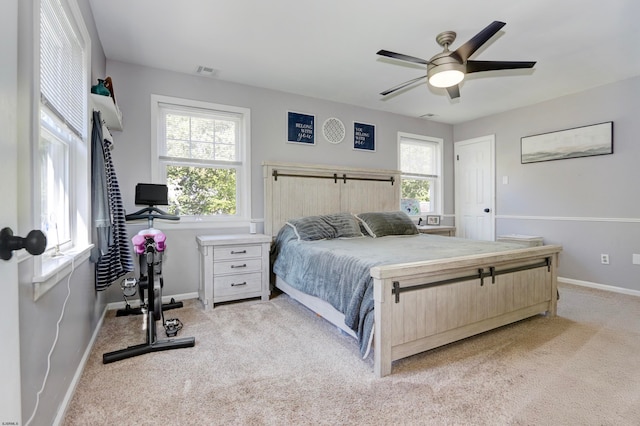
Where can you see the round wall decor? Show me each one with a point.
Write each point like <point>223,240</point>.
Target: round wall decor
<point>333,130</point>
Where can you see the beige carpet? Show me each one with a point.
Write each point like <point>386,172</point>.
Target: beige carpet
<point>277,363</point>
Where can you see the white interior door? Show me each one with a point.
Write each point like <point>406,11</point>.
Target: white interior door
<point>10,399</point>
<point>475,188</point>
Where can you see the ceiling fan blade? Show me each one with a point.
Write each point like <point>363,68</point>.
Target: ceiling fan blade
<point>454,91</point>
<point>402,57</point>
<point>463,52</point>
<point>479,66</point>
<point>403,85</point>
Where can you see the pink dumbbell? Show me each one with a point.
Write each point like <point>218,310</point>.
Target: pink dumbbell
<point>160,239</point>
<point>138,243</point>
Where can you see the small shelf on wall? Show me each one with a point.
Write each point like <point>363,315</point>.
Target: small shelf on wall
<point>110,112</point>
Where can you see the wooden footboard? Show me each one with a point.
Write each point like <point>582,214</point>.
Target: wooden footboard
<point>423,305</point>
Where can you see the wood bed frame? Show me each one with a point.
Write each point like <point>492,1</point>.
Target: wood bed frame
<point>419,305</point>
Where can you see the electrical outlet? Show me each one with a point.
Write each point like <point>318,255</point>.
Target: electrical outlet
<point>604,259</point>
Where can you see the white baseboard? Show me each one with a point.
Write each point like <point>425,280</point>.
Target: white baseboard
<point>165,299</point>
<point>604,287</point>
<point>76,377</point>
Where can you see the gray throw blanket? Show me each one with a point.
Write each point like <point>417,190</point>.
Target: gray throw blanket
<point>337,271</point>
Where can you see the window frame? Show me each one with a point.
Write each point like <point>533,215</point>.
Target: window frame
<point>436,188</point>
<point>242,218</point>
<point>57,261</point>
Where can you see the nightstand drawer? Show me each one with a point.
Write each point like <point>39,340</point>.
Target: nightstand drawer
<point>237,284</point>
<point>236,252</point>
<point>238,266</point>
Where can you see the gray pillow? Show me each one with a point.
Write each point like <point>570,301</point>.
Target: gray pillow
<point>312,228</point>
<point>345,225</point>
<point>326,227</point>
<point>380,224</point>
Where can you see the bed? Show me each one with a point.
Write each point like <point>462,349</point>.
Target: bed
<point>412,300</point>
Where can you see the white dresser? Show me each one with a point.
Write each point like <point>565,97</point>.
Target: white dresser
<point>233,267</point>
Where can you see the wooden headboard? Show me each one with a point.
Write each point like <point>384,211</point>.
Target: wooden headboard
<point>294,190</point>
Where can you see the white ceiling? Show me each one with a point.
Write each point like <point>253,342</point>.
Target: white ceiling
<point>327,48</point>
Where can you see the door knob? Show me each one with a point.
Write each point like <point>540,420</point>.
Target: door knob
<point>34,243</point>
<point>487,210</point>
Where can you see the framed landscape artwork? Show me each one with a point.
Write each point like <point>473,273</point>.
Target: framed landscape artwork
<point>585,141</point>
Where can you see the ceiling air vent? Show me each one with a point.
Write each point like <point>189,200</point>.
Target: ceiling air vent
<point>428,115</point>
<point>206,71</point>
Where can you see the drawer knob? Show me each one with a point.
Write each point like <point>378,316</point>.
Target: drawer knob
<point>238,284</point>
<point>244,265</point>
<point>238,252</point>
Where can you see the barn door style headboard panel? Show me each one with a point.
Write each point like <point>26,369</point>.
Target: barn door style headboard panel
<point>294,190</point>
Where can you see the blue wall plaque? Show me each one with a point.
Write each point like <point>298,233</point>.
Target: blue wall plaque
<point>364,136</point>
<point>301,128</point>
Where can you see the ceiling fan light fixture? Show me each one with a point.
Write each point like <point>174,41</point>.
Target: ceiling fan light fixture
<point>447,69</point>
<point>445,75</point>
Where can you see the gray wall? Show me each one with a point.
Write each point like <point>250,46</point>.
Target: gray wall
<point>588,205</point>
<point>577,203</point>
<point>85,307</point>
<point>133,87</point>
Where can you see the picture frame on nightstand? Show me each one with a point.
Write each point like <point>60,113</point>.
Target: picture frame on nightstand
<point>433,220</point>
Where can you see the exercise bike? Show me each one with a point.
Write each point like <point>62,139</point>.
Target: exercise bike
<point>150,195</point>
<point>150,245</point>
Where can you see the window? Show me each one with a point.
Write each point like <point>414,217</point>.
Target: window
<point>61,153</point>
<point>203,157</point>
<point>420,160</point>
<point>54,149</point>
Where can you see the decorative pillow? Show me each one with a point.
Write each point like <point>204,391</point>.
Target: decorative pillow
<point>345,225</point>
<point>379,224</point>
<point>312,228</point>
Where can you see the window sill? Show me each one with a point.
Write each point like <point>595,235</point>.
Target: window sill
<point>55,269</point>
<point>192,223</point>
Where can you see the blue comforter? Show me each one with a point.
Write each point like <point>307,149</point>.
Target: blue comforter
<point>337,270</point>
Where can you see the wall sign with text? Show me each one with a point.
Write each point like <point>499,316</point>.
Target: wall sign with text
<point>301,128</point>
<point>364,136</point>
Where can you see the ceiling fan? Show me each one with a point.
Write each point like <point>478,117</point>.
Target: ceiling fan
<point>449,68</point>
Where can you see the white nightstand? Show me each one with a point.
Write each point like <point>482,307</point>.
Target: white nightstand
<point>448,231</point>
<point>233,267</point>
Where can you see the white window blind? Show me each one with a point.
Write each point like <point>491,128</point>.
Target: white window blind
<point>419,157</point>
<point>62,66</point>
<point>202,135</point>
